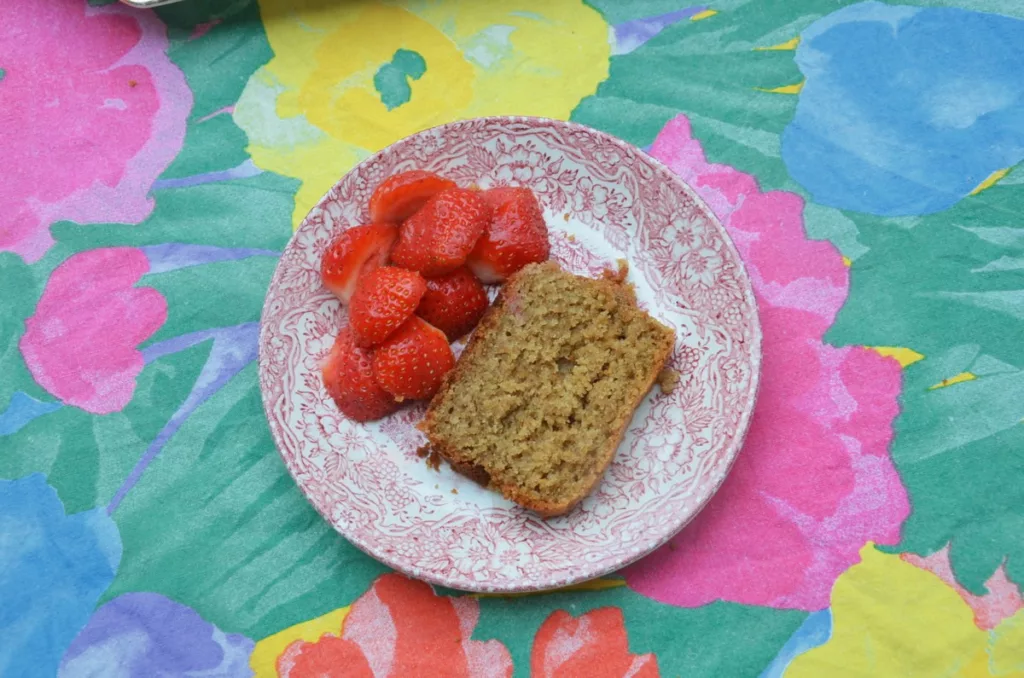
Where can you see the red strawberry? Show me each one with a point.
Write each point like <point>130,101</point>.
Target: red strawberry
<point>496,197</point>
<point>384,299</point>
<point>413,360</point>
<point>348,376</point>
<point>399,197</point>
<point>354,252</point>
<point>517,235</point>
<point>453,303</point>
<point>437,239</point>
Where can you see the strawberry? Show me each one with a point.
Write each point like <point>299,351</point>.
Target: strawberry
<point>437,239</point>
<point>413,361</point>
<point>353,253</point>
<point>453,303</point>
<point>517,235</point>
<point>384,299</point>
<point>348,377</point>
<point>399,197</point>
<point>496,197</point>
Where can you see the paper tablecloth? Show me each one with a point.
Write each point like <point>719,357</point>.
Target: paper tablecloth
<point>155,163</point>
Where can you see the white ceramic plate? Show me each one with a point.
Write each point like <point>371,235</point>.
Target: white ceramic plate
<point>604,200</point>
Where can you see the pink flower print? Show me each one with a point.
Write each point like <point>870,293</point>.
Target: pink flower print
<point>590,202</point>
<point>677,244</point>
<point>701,266</point>
<point>610,500</point>
<point>511,558</point>
<point>523,166</point>
<point>333,434</point>
<point>430,556</point>
<point>320,339</point>
<point>608,156</point>
<point>814,481</point>
<point>684,237</point>
<point>575,257</point>
<point>400,427</point>
<point>81,343</point>
<point>278,355</point>
<point>93,112</point>
<point>470,556</point>
<point>426,145</point>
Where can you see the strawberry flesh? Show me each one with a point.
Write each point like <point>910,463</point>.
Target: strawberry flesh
<point>352,254</point>
<point>517,235</point>
<point>400,196</point>
<point>438,238</point>
<point>496,197</point>
<point>454,303</point>
<point>348,377</point>
<point>383,300</point>
<point>413,361</point>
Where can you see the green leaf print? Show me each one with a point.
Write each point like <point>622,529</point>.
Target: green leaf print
<point>933,282</point>
<point>958,452</point>
<point>218,44</point>
<point>733,74</point>
<point>219,494</point>
<point>713,70</point>
<point>950,286</point>
<point>15,274</point>
<point>86,457</point>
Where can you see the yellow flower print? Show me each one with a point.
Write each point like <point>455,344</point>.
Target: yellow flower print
<point>263,660</point>
<point>348,80</point>
<point>891,618</point>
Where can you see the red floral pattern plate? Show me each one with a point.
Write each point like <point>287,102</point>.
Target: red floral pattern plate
<point>604,200</point>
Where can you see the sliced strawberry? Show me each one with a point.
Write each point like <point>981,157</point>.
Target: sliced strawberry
<point>399,197</point>
<point>496,197</point>
<point>516,237</point>
<point>353,253</point>
<point>384,299</point>
<point>348,377</point>
<point>412,362</point>
<point>454,303</point>
<point>437,239</point>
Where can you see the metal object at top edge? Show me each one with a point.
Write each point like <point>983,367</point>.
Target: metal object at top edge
<point>145,4</point>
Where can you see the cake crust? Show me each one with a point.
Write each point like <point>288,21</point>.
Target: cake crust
<point>618,299</point>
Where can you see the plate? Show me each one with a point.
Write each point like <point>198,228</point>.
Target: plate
<point>604,200</point>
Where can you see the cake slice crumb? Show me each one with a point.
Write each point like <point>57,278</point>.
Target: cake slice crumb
<point>617,276</point>
<point>668,379</point>
<point>434,460</point>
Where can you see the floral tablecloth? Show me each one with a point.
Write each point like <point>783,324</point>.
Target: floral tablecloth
<point>155,163</point>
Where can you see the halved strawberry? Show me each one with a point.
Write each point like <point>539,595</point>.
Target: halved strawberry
<point>453,303</point>
<point>496,197</point>
<point>353,253</point>
<point>413,361</point>
<point>437,239</point>
<point>348,377</point>
<point>517,235</point>
<point>384,299</point>
<point>399,196</point>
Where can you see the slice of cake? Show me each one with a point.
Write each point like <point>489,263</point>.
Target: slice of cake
<point>539,400</point>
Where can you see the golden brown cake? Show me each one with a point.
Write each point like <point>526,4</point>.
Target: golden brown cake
<point>539,400</point>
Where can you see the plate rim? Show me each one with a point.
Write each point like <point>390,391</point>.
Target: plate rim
<point>731,453</point>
